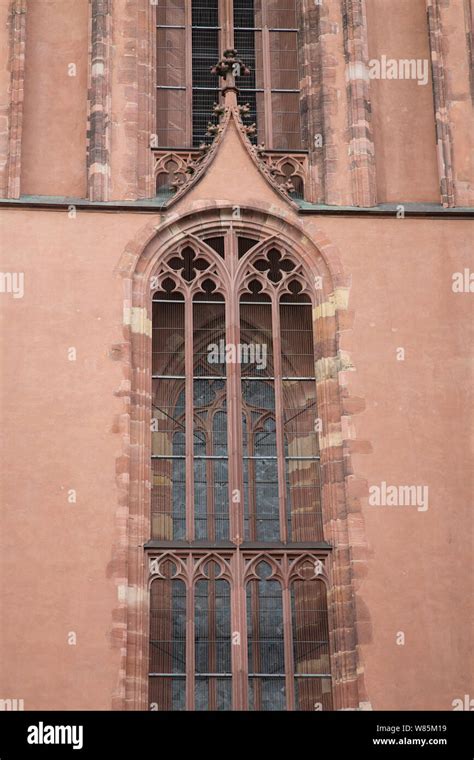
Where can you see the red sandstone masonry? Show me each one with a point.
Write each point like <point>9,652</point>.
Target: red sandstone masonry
<point>361,142</point>
<point>17,48</point>
<point>451,41</point>
<point>98,150</point>
<point>443,133</point>
<point>146,98</point>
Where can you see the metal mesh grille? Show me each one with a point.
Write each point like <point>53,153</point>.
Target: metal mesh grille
<point>211,497</point>
<point>167,645</point>
<point>297,341</point>
<point>171,73</point>
<point>248,41</point>
<point>170,12</point>
<point>217,244</point>
<point>209,335</point>
<point>205,12</point>
<point>286,120</point>
<point>284,60</point>
<point>276,411</point>
<point>302,467</point>
<point>205,53</point>
<point>244,13</point>
<point>266,648</point>
<point>281,14</point>
<point>311,645</point>
<point>245,244</point>
<point>281,50</point>
<point>168,337</point>
<point>256,328</point>
<point>213,666</point>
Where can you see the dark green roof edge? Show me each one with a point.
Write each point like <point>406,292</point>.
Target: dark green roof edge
<point>158,204</point>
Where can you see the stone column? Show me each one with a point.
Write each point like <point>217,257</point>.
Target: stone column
<point>98,147</point>
<point>361,142</point>
<point>17,79</point>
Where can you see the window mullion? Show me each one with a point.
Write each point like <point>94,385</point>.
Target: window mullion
<point>189,72</point>
<point>234,410</point>
<point>189,416</point>
<point>239,630</point>
<point>226,22</point>
<point>267,79</point>
<point>210,486</point>
<point>252,486</point>
<point>279,418</point>
<point>190,646</point>
<point>288,639</point>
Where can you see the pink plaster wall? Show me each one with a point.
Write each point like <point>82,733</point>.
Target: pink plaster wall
<point>55,107</point>
<point>402,111</point>
<point>59,420</point>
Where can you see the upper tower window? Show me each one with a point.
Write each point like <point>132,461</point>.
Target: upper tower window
<point>191,37</point>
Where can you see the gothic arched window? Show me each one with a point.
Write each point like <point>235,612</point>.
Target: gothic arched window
<point>238,599</point>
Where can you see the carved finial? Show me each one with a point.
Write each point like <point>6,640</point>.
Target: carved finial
<point>230,67</point>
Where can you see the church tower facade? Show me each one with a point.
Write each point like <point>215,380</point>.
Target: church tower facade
<point>236,298</point>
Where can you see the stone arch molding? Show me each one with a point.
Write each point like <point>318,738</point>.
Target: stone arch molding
<point>317,260</point>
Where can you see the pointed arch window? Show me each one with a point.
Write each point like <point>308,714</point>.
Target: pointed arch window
<point>236,486</point>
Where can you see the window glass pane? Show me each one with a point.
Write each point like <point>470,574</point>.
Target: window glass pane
<point>248,42</point>
<point>261,505</point>
<point>262,517</point>
<point>211,499</point>
<point>168,338</point>
<point>284,60</point>
<point>311,645</point>
<point>205,12</point>
<point>300,418</point>
<point>168,417</point>
<point>313,694</point>
<point>170,57</point>
<point>281,14</point>
<point>209,339</point>
<point>304,500</point>
<point>168,499</point>
<point>244,13</point>
<point>167,645</point>
<point>171,118</point>
<point>297,342</point>
<point>205,54</point>
<point>210,418</point>
<point>286,121</point>
<point>213,666</point>
<point>266,652</point>
<point>256,339</point>
<point>170,12</point>
<point>168,513</point>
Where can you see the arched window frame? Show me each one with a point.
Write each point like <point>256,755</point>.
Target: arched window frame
<point>137,266</point>
<point>231,280</point>
<point>231,277</point>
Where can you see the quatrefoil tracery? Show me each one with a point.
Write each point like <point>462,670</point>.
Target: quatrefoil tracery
<point>190,263</point>
<point>269,269</point>
<point>275,264</point>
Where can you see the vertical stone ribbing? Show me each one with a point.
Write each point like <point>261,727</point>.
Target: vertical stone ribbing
<point>17,79</point>
<point>320,55</point>
<point>360,136</point>
<point>98,146</point>
<point>312,99</point>
<point>469,21</point>
<point>146,98</point>
<point>443,133</point>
